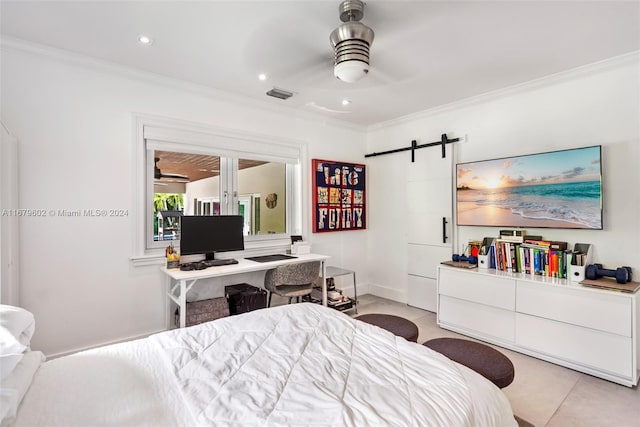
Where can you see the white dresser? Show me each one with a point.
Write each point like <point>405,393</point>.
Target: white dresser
<point>586,329</point>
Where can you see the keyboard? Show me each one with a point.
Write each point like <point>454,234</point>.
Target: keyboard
<point>219,262</point>
<point>269,258</point>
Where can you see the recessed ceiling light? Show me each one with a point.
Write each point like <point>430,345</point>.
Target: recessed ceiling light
<point>346,102</point>
<point>144,39</point>
<point>262,77</point>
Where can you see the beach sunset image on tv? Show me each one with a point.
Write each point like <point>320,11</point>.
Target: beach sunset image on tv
<point>559,189</point>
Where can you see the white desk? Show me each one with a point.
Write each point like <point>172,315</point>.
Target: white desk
<point>184,280</point>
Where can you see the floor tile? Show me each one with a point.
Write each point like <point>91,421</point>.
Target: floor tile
<point>538,388</point>
<point>594,402</point>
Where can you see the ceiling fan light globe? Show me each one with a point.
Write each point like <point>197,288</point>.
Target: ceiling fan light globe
<point>350,71</point>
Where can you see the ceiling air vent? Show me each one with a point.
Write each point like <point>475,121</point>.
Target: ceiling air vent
<point>279,93</point>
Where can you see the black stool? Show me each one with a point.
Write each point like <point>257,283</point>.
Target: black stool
<point>485,360</point>
<point>398,326</point>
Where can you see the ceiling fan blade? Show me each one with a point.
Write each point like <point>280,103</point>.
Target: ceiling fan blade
<point>158,175</point>
<point>173,176</point>
<point>301,46</point>
<point>322,108</point>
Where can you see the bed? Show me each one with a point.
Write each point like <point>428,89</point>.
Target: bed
<point>294,365</point>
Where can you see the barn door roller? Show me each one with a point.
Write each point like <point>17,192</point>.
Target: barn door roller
<point>444,140</point>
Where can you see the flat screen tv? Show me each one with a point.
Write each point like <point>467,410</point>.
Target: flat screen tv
<point>210,234</point>
<point>557,189</point>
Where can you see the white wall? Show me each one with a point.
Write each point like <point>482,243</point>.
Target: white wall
<point>9,202</point>
<point>595,105</point>
<point>73,121</point>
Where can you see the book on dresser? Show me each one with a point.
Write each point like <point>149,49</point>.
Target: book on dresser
<point>545,258</point>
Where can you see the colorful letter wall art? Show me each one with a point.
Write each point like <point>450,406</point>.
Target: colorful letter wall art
<point>339,196</point>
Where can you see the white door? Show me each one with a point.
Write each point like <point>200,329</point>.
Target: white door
<point>429,240</point>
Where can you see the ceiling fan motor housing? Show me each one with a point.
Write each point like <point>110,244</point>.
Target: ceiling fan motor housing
<point>351,42</point>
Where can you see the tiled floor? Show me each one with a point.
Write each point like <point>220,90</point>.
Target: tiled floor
<point>542,393</point>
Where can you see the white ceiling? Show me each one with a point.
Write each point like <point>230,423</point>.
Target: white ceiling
<point>425,53</point>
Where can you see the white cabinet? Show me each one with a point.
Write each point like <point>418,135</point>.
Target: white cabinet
<point>586,329</point>
<point>606,311</point>
<point>493,291</point>
<point>490,323</point>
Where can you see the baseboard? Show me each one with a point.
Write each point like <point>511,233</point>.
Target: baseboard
<point>131,338</point>
<point>388,293</point>
<point>348,290</point>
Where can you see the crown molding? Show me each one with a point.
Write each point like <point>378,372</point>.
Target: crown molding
<point>549,80</point>
<point>81,60</point>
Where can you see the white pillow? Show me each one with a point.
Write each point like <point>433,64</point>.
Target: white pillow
<point>7,363</point>
<point>14,387</point>
<point>16,329</point>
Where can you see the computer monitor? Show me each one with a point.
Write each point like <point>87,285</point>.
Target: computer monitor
<point>210,234</point>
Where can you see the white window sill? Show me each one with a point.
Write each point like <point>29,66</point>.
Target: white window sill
<point>146,260</point>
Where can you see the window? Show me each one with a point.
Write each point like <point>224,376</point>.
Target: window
<point>200,171</point>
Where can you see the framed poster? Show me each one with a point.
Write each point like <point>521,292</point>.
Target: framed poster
<point>338,196</point>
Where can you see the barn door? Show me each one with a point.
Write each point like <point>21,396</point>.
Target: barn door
<point>429,239</point>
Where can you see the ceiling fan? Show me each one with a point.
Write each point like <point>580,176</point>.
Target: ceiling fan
<point>157,173</point>
<point>351,42</point>
<point>342,65</point>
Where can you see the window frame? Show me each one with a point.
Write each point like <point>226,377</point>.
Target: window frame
<point>151,132</point>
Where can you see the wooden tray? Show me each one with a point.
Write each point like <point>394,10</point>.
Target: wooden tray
<point>459,264</point>
<point>612,285</point>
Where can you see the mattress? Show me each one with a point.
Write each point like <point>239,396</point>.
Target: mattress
<point>294,365</point>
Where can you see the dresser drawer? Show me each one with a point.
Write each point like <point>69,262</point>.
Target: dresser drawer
<point>484,289</point>
<point>583,346</point>
<point>481,320</point>
<point>606,312</point>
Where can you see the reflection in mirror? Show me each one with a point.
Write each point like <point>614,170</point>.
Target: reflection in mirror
<point>254,184</point>
<point>174,173</point>
<point>168,208</point>
<point>189,184</point>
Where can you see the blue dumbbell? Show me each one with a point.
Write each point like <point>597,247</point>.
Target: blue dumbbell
<point>595,271</point>
<point>461,258</point>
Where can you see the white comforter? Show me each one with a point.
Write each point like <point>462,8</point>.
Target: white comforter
<point>309,365</point>
<point>295,365</point>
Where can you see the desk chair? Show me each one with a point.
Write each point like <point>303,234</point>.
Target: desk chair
<point>292,280</point>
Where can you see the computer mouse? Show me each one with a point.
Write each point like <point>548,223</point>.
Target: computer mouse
<point>187,267</point>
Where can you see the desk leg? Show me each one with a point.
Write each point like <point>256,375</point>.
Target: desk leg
<point>181,299</point>
<point>355,293</point>
<point>323,267</point>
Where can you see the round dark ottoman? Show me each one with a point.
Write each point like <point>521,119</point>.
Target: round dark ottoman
<point>398,326</point>
<point>485,360</point>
